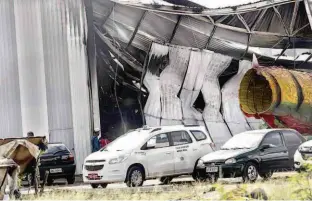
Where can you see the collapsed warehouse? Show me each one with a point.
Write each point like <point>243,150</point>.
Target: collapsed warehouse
<point>72,66</point>
<point>184,62</point>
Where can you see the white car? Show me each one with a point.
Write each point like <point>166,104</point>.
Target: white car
<point>303,156</point>
<point>164,152</point>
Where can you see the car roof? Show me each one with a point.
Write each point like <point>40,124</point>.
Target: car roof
<point>57,144</point>
<point>270,130</point>
<point>150,130</point>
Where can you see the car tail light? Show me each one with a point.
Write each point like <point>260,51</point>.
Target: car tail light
<point>71,157</point>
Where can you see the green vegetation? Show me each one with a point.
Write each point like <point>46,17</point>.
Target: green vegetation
<point>295,187</point>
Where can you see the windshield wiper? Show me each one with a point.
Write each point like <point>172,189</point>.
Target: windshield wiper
<point>240,148</point>
<point>225,149</point>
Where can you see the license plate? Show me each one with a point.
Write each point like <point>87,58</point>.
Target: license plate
<point>211,169</point>
<point>56,170</point>
<point>93,177</point>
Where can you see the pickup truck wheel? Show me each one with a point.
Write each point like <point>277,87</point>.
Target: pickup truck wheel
<point>166,180</point>
<point>135,177</point>
<point>103,185</point>
<point>250,172</point>
<point>266,175</point>
<point>94,185</point>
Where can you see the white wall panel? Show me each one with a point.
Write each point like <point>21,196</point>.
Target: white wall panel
<point>192,84</point>
<point>171,80</point>
<point>212,96</point>
<point>152,109</point>
<point>55,49</point>
<point>78,80</point>
<point>31,66</point>
<point>44,72</point>
<point>10,105</point>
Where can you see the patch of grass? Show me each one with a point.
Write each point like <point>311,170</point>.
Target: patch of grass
<point>296,187</point>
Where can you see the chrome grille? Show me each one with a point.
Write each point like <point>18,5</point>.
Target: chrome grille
<point>214,163</point>
<point>94,167</point>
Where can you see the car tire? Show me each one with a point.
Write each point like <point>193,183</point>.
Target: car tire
<point>266,175</point>
<point>199,177</point>
<point>165,180</point>
<point>94,185</point>
<point>50,182</point>
<point>104,185</point>
<point>135,177</point>
<point>250,172</point>
<point>71,180</point>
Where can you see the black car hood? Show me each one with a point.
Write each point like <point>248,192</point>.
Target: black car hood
<point>223,155</point>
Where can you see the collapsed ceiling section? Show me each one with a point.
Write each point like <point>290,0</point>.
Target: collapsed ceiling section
<point>128,29</point>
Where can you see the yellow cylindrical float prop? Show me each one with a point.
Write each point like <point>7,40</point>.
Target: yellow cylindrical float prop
<point>282,93</point>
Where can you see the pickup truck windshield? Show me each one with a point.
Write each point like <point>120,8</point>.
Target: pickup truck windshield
<point>244,141</point>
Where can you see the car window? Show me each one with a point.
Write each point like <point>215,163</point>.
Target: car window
<point>274,139</point>
<point>54,148</point>
<point>159,141</point>
<point>180,137</point>
<point>291,138</point>
<point>198,135</point>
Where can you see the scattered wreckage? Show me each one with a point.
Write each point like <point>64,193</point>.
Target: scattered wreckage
<point>19,156</point>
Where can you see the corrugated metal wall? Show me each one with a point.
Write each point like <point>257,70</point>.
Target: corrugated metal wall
<point>32,82</point>
<point>56,60</point>
<point>44,72</point>
<point>10,104</point>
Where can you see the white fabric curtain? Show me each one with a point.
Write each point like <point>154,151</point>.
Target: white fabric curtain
<point>152,109</point>
<point>232,113</point>
<point>216,126</point>
<point>171,80</point>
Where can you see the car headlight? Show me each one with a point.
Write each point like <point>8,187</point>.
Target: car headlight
<point>120,159</point>
<point>231,160</point>
<point>200,163</point>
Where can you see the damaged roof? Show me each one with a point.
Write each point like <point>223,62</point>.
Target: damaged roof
<point>237,29</point>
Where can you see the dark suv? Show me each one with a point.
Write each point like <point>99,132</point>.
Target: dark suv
<point>252,153</point>
<point>60,163</point>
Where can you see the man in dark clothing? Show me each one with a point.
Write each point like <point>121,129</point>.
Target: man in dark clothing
<point>95,140</point>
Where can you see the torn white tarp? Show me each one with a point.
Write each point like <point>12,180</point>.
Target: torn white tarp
<point>232,113</point>
<point>171,80</point>
<point>216,126</point>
